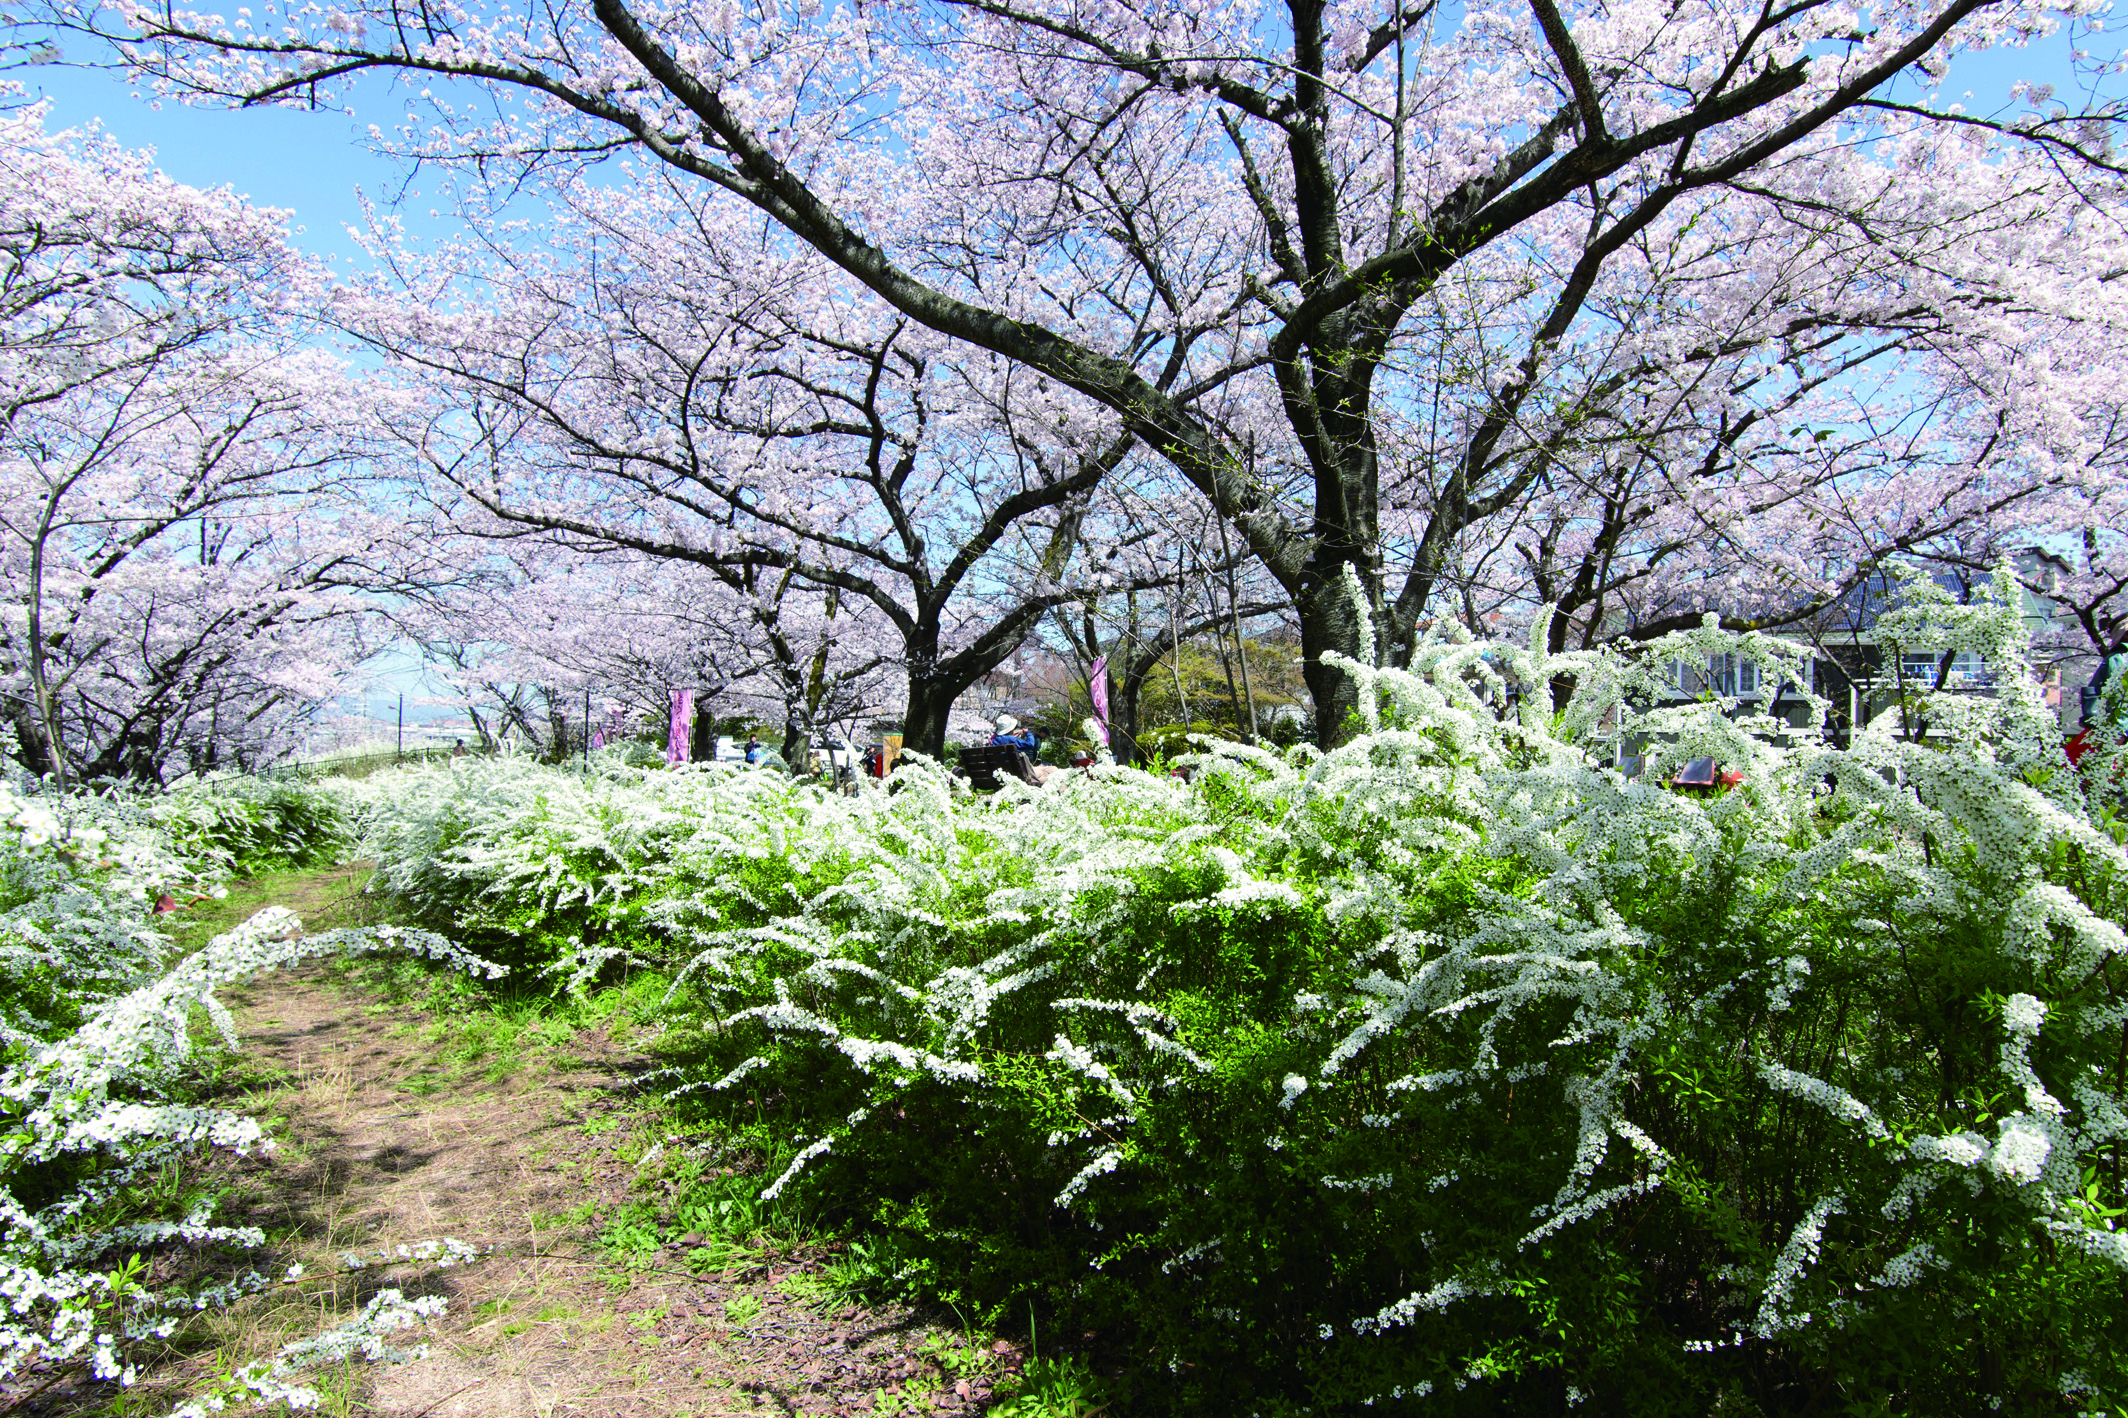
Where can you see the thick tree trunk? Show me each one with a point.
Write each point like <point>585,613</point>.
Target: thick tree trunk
<point>559,727</point>
<point>1330,622</point>
<point>29,738</point>
<point>702,743</point>
<point>1346,532</point>
<point>1125,704</point>
<point>923,725</point>
<point>936,683</point>
<point>135,757</point>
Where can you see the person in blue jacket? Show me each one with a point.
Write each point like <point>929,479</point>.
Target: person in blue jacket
<point>1010,735</point>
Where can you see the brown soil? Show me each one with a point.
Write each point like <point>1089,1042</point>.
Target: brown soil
<point>387,1141</point>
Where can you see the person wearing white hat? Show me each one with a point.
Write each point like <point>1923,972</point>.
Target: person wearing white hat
<point>1010,735</point>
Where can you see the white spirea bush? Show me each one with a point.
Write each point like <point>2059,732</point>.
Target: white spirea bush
<point>97,1011</point>
<point>81,874</point>
<point>1449,1061</point>
<point>252,823</point>
<point>79,877</point>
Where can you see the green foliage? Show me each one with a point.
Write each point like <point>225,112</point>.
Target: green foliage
<point>1209,686</point>
<point>1448,1065</point>
<point>254,825</point>
<point>706,1216</point>
<point>1173,740</point>
<point>1053,1388</point>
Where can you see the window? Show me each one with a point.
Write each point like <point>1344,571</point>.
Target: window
<point>1918,668</point>
<point>1733,676</point>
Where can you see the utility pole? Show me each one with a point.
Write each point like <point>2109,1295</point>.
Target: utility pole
<point>587,728</point>
<point>1241,648</point>
<point>399,753</point>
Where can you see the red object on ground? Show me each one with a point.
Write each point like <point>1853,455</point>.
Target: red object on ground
<point>2077,747</point>
<point>165,903</point>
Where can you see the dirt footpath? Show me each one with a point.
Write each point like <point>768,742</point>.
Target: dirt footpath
<point>522,1153</point>
<point>511,1131</point>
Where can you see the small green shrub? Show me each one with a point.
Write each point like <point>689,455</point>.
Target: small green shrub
<point>1171,741</point>
<point>1053,1388</point>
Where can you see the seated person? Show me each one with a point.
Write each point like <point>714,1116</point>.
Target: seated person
<point>1010,735</point>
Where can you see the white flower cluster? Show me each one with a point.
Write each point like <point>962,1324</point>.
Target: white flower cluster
<point>36,824</point>
<point>80,877</point>
<point>898,930</point>
<point>1775,1311</point>
<point>1405,1311</point>
<point>388,1312</point>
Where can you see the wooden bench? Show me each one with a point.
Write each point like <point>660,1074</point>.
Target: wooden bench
<point>981,766</point>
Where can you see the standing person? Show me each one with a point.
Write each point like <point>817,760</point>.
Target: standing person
<point>753,749</point>
<point>458,748</point>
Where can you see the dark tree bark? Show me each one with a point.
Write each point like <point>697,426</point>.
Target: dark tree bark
<point>29,737</point>
<point>702,734</point>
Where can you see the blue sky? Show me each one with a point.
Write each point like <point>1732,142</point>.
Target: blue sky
<point>315,164</point>
<point>319,165</point>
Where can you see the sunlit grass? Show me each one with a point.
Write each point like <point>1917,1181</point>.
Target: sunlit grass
<point>325,900</point>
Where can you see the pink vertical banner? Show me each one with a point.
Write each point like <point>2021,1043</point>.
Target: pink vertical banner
<point>677,742</point>
<point>1097,685</point>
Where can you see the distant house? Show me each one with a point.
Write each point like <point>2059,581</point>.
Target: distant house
<point>1855,671</point>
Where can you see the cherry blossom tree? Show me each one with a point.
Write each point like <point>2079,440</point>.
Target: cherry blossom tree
<point>1253,235</point>
<point>1964,424</point>
<point>613,390</point>
<point>533,625</point>
<point>175,592</point>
